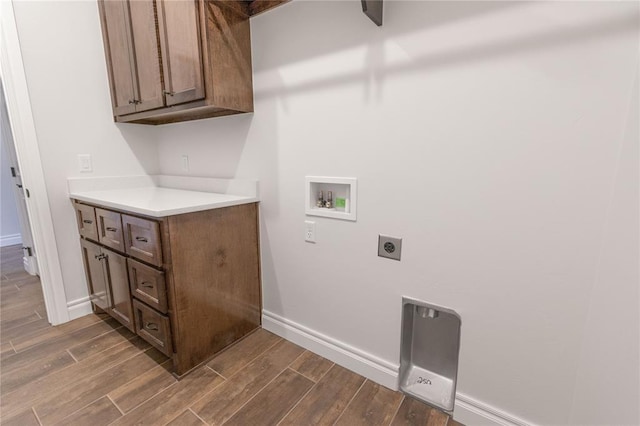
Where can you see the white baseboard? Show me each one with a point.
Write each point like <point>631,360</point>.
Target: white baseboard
<point>10,240</point>
<point>470,411</point>
<point>30,265</point>
<point>363,363</point>
<point>467,410</point>
<point>79,308</point>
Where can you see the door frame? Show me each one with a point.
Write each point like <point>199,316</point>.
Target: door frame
<point>25,139</point>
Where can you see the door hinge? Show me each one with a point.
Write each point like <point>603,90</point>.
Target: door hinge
<point>27,192</point>
<point>29,251</point>
<point>13,172</point>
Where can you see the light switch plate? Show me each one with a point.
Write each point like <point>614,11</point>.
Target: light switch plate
<point>389,247</point>
<point>84,163</point>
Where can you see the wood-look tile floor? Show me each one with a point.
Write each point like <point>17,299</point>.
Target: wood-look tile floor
<point>92,371</point>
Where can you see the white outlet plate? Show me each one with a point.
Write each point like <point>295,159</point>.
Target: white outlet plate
<point>84,163</point>
<point>309,231</point>
<point>185,163</point>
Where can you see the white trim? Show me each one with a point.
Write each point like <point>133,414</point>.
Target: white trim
<point>10,240</point>
<point>26,143</point>
<point>79,308</point>
<point>363,363</point>
<point>467,409</point>
<point>30,265</point>
<point>470,411</point>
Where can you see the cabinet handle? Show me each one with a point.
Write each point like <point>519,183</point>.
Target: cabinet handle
<point>100,256</point>
<point>87,221</point>
<point>143,239</point>
<point>111,229</point>
<point>146,284</point>
<point>132,101</point>
<point>151,326</point>
<point>169,93</point>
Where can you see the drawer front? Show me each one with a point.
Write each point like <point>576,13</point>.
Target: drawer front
<point>86,218</point>
<point>110,229</point>
<point>147,284</point>
<point>142,239</point>
<point>153,327</point>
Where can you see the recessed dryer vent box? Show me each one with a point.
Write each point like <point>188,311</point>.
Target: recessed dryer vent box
<point>429,353</point>
<point>343,197</point>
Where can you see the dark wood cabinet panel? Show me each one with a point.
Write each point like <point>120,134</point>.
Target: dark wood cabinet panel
<point>110,229</point>
<point>148,285</point>
<point>174,61</point>
<point>120,56</point>
<point>108,282</point>
<point>118,279</point>
<point>86,219</point>
<point>153,327</point>
<point>142,239</point>
<point>189,284</point>
<point>147,74</point>
<point>181,51</point>
<point>96,279</point>
<point>215,276</point>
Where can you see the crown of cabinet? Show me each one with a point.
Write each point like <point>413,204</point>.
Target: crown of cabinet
<point>171,61</point>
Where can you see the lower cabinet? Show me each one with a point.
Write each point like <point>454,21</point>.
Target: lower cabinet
<point>108,282</point>
<point>188,284</point>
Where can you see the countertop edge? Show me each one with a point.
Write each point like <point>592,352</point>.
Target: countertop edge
<point>165,212</point>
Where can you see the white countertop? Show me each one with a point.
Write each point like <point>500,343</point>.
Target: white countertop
<point>145,198</point>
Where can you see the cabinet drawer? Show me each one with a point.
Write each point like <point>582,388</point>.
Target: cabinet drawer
<point>153,327</point>
<point>142,239</point>
<point>110,229</point>
<point>86,217</point>
<point>148,285</point>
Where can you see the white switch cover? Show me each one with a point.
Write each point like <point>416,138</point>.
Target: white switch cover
<point>84,163</point>
<point>185,163</point>
<point>309,231</point>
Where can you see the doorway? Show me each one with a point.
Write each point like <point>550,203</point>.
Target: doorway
<point>23,129</point>
<point>14,206</point>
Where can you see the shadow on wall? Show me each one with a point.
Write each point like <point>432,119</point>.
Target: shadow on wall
<point>141,140</point>
<point>214,146</point>
<point>404,17</point>
<point>346,32</point>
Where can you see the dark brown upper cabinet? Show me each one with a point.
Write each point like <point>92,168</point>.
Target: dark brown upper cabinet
<point>172,61</point>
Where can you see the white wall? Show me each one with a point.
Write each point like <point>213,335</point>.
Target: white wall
<point>9,224</point>
<point>487,136</point>
<point>66,73</point>
<point>490,136</point>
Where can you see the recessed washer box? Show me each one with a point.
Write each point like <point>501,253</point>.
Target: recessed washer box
<point>429,353</point>
<point>344,191</point>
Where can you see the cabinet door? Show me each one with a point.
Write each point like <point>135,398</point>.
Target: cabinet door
<point>121,308</point>
<point>96,277</point>
<point>179,28</point>
<point>120,56</point>
<point>147,55</point>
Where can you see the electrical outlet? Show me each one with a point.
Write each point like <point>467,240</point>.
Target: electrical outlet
<point>309,231</point>
<point>389,247</point>
<point>84,163</point>
<point>185,163</point>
